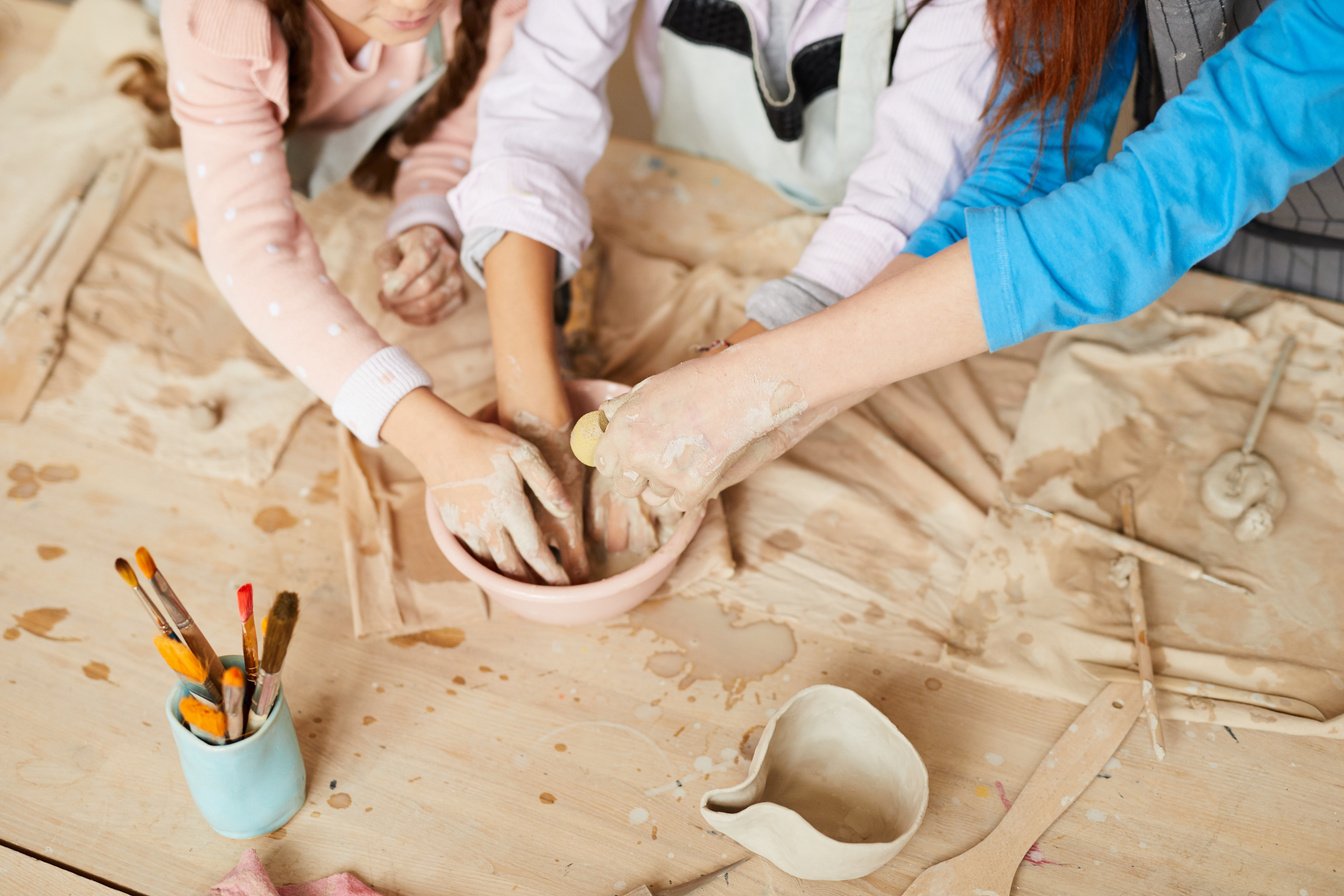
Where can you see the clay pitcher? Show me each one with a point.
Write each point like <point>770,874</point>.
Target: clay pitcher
<point>834,790</point>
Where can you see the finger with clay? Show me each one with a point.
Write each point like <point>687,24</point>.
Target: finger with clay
<point>421,281</point>
<point>564,534</point>
<point>620,525</point>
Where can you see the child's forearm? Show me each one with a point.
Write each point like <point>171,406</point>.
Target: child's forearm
<point>520,286</point>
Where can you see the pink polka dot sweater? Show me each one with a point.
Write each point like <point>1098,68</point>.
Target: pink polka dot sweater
<point>228,77</point>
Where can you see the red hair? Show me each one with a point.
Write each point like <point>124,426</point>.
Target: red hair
<point>1051,54</point>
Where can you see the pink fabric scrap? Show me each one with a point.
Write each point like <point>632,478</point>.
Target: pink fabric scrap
<point>249,878</point>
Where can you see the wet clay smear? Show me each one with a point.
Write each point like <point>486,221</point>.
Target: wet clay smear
<point>38,622</point>
<point>439,637</point>
<point>714,645</point>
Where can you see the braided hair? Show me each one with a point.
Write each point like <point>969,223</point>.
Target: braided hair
<point>376,173</point>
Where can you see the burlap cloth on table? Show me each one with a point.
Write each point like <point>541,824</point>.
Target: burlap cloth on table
<point>1151,402</point>
<point>151,359</point>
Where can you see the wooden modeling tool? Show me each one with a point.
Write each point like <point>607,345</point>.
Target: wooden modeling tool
<point>1289,706</point>
<point>1138,617</point>
<point>583,438</point>
<point>186,626</point>
<point>128,576</point>
<point>249,633</point>
<point>1186,569</point>
<point>1241,486</point>
<point>235,713</point>
<point>205,722</point>
<point>1072,764</point>
<point>189,668</point>
<point>279,630</point>
<point>689,887</point>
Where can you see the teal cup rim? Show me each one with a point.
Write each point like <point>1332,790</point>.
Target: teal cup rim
<point>179,691</point>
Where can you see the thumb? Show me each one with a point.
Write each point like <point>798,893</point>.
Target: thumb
<point>387,256</point>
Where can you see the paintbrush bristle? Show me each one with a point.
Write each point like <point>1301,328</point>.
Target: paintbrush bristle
<point>233,677</point>
<point>145,562</point>
<point>196,713</point>
<point>127,574</point>
<point>244,601</point>
<point>279,629</point>
<point>179,658</point>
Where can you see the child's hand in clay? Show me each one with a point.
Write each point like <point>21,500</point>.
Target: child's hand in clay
<point>620,524</point>
<point>421,281</point>
<point>564,533</point>
<point>479,476</point>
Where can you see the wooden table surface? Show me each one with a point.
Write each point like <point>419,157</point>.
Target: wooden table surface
<point>529,759</point>
<point>526,759</point>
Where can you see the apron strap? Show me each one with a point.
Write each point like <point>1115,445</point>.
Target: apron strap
<point>865,71</point>
<point>319,158</point>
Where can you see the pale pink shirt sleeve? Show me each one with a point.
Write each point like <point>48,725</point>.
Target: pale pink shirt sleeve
<point>435,166</point>
<point>544,122</point>
<point>226,66</point>
<point>925,139</point>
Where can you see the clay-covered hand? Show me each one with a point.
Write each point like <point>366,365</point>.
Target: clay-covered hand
<point>564,533</point>
<point>623,524</point>
<point>486,482</point>
<point>422,283</point>
<point>686,434</point>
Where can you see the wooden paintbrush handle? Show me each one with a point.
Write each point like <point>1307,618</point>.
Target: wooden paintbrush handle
<point>1072,763</point>
<point>1148,553</point>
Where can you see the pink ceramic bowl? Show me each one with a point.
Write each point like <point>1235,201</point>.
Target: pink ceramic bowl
<point>571,604</point>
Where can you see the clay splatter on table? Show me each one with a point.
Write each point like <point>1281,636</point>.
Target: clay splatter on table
<point>339,801</point>
<point>714,644</point>
<point>97,672</point>
<point>50,551</point>
<point>274,518</point>
<point>38,622</point>
<point>546,798</point>
<point>58,473</point>
<point>439,637</point>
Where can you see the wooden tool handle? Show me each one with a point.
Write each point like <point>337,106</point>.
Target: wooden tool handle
<point>1072,763</point>
<point>1188,569</point>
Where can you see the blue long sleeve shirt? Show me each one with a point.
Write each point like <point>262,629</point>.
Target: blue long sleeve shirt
<point>1265,113</point>
<point>1023,163</point>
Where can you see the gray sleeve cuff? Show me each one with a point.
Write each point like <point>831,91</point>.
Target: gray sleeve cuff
<point>783,301</point>
<point>477,243</point>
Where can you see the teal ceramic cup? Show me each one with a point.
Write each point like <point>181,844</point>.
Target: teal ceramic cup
<point>250,787</point>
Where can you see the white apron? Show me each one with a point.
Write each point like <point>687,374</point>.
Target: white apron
<point>717,101</point>
<point>320,157</point>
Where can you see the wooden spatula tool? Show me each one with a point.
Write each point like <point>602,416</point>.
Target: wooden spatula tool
<point>1072,763</point>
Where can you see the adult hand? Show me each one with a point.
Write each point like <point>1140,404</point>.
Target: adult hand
<point>686,434</point>
<point>422,283</point>
<point>483,479</point>
<point>621,524</point>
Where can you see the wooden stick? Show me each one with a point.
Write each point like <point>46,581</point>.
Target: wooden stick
<point>1267,399</point>
<point>1289,706</point>
<point>1138,618</point>
<point>1181,566</point>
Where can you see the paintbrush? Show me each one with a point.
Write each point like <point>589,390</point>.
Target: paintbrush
<point>1138,617</point>
<point>279,629</point>
<point>128,575</point>
<point>234,711</point>
<point>249,632</point>
<point>186,626</point>
<point>189,668</point>
<point>205,722</point>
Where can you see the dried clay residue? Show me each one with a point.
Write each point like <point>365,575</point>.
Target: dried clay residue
<point>546,798</point>
<point>272,519</point>
<point>339,801</point>
<point>28,481</point>
<point>50,551</point>
<point>98,672</point>
<point>438,637</point>
<point>38,622</point>
<point>714,644</point>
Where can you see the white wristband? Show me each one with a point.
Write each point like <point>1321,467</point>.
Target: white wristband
<point>368,395</point>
